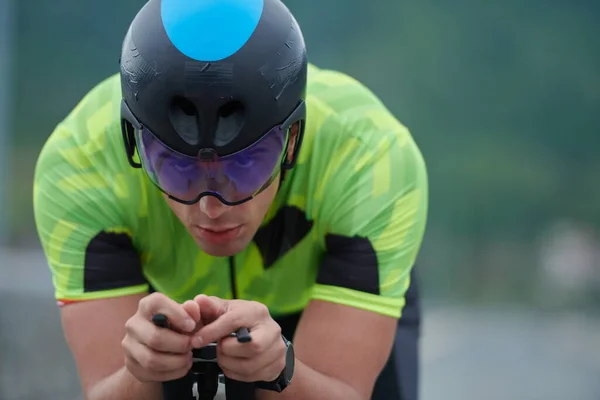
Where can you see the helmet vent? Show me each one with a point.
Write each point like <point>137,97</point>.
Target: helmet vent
<point>184,119</point>
<point>231,118</point>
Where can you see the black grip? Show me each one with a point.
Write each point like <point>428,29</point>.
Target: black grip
<point>243,336</point>
<point>160,320</point>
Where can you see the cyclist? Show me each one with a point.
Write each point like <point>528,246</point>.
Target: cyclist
<point>223,181</point>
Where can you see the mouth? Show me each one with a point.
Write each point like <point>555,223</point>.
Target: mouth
<point>217,235</point>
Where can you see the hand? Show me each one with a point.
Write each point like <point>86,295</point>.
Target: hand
<point>261,359</point>
<point>154,354</point>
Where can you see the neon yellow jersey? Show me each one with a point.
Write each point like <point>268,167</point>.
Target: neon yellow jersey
<point>345,226</point>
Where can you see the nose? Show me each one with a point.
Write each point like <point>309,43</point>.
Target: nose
<point>212,207</point>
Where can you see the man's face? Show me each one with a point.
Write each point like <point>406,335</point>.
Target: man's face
<point>222,230</point>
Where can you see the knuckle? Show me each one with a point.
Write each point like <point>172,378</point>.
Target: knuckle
<point>129,325</point>
<point>156,296</point>
<point>277,330</point>
<point>125,344</point>
<point>257,346</point>
<point>148,361</point>
<point>143,305</point>
<point>152,299</point>
<point>262,310</point>
<point>145,301</point>
<point>154,339</point>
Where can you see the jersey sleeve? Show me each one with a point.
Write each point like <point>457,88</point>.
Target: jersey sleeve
<point>78,211</point>
<point>374,207</point>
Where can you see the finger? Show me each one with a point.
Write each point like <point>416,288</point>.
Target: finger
<point>230,347</point>
<point>158,339</point>
<point>193,310</point>
<point>216,330</point>
<point>211,307</point>
<point>158,303</point>
<point>155,361</point>
<point>263,339</point>
<point>243,314</point>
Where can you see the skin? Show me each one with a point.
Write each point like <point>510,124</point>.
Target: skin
<point>136,355</point>
<point>210,213</point>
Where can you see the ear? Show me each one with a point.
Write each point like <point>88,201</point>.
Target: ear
<point>292,143</point>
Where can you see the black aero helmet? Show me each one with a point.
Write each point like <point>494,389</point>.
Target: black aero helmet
<point>211,89</point>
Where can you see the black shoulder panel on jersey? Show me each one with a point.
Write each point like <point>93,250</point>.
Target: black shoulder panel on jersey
<point>111,262</point>
<point>282,233</point>
<point>350,262</point>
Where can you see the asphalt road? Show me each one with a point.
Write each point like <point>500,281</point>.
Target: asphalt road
<point>467,352</point>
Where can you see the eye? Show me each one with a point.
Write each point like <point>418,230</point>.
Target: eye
<point>244,162</point>
<point>182,166</point>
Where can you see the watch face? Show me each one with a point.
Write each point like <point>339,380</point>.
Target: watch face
<point>290,360</point>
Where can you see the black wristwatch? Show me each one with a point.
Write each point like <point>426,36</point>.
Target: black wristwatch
<point>285,378</point>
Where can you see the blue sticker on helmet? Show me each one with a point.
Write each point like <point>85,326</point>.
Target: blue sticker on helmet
<point>210,30</point>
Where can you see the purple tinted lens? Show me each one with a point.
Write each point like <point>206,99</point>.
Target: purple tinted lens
<point>235,177</point>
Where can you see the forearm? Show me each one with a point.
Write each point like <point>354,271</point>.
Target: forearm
<point>309,384</point>
<point>121,385</point>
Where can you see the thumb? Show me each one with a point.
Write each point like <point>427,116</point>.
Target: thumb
<point>193,310</point>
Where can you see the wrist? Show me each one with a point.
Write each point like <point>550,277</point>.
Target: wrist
<point>285,377</point>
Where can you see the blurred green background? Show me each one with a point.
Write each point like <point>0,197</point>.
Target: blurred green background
<point>503,97</point>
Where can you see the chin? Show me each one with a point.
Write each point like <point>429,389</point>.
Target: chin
<point>222,250</point>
